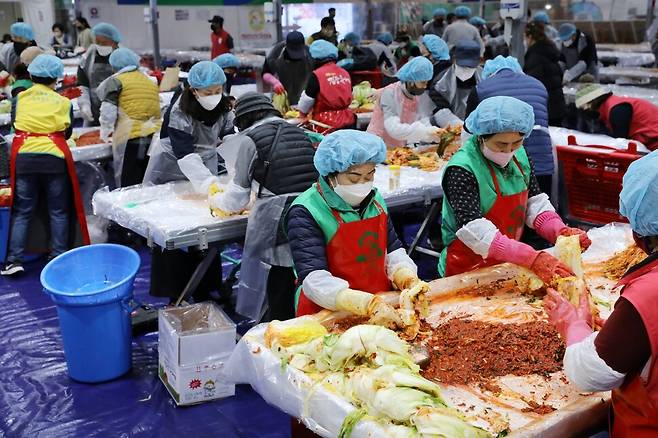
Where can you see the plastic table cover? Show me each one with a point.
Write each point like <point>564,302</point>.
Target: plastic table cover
<point>99,151</point>
<point>39,399</point>
<point>322,411</point>
<point>640,48</point>
<point>626,58</point>
<point>628,74</point>
<point>250,60</point>
<point>560,137</point>
<point>174,216</point>
<point>650,94</point>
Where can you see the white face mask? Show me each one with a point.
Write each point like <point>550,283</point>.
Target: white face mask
<point>464,73</point>
<point>209,102</point>
<point>104,50</point>
<point>354,194</point>
<point>567,43</point>
<point>500,158</point>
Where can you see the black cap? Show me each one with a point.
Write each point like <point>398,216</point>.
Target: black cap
<point>295,45</point>
<point>252,101</point>
<point>467,53</point>
<point>217,19</point>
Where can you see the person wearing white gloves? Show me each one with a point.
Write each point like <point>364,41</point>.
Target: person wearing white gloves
<point>491,193</point>
<point>623,356</point>
<point>578,54</point>
<point>95,68</point>
<point>196,120</point>
<point>274,161</point>
<point>342,240</point>
<point>130,114</point>
<point>403,110</point>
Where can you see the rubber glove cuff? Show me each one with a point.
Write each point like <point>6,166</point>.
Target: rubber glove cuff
<point>577,331</point>
<point>548,225</point>
<point>504,249</point>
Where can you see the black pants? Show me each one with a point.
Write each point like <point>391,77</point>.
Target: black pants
<point>135,160</point>
<point>171,270</point>
<point>280,294</point>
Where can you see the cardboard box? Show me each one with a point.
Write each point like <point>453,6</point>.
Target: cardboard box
<point>194,344</point>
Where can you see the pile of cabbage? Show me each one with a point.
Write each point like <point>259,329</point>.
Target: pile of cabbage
<point>372,368</point>
<point>363,97</point>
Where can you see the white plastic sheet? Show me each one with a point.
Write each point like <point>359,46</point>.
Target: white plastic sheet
<point>559,136</point>
<point>626,58</point>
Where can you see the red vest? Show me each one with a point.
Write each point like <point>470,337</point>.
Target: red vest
<point>219,43</point>
<point>332,103</point>
<point>635,403</point>
<point>644,123</point>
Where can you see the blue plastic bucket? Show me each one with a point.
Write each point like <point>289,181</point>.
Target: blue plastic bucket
<point>92,287</point>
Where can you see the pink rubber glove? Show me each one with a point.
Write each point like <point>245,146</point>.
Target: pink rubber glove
<point>573,324</point>
<point>549,225</point>
<point>546,266</point>
<point>273,82</point>
<point>504,249</point>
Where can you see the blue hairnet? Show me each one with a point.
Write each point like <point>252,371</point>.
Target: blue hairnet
<point>21,30</point>
<point>638,201</point>
<point>493,66</point>
<point>46,66</point>
<point>322,49</point>
<point>418,69</point>
<point>353,39</point>
<point>477,21</point>
<point>205,74</point>
<point>227,60</point>
<point>345,63</point>
<point>541,17</point>
<point>566,31</point>
<point>108,31</point>
<point>385,38</point>
<point>501,114</point>
<point>439,12</point>
<point>436,46</point>
<point>462,11</point>
<point>347,147</point>
<point>122,57</point>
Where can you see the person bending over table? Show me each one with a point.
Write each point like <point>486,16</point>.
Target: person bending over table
<point>343,244</point>
<point>623,356</point>
<point>490,193</point>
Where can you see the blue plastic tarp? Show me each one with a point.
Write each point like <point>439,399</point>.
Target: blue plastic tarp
<point>37,398</point>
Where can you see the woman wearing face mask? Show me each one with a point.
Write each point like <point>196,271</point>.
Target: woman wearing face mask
<point>22,37</point>
<point>623,356</point>
<point>60,39</point>
<point>328,92</point>
<point>85,37</point>
<point>95,68</point>
<point>491,192</point>
<point>193,124</point>
<point>403,111</point>
<point>343,244</point>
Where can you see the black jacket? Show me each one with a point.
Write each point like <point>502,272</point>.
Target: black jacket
<point>541,62</point>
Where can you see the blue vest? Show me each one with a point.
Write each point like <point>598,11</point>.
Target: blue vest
<point>529,90</point>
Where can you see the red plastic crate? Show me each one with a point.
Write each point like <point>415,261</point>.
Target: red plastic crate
<point>593,180</point>
<point>373,76</point>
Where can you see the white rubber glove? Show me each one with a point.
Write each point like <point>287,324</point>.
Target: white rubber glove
<point>84,102</point>
<point>199,175</point>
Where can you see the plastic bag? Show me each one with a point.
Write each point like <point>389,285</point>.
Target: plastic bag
<point>197,318</point>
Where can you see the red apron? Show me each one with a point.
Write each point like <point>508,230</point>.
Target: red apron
<point>407,115</point>
<point>335,96</point>
<point>59,141</point>
<point>507,213</point>
<point>635,403</point>
<point>357,254</point>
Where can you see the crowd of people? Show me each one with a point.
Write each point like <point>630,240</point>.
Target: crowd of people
<point>318,222</point>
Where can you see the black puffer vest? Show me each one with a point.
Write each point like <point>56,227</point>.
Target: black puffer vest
<point>284,158</point>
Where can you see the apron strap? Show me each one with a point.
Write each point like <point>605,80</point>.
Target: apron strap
<point>493,174</point>
<point>268,161</point>
<point>335,212</point>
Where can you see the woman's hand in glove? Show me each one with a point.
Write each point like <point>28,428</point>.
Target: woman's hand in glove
<point>573,324</point>
<point>585,242</point>
<point>384,314</point>
<point>548,268</point>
